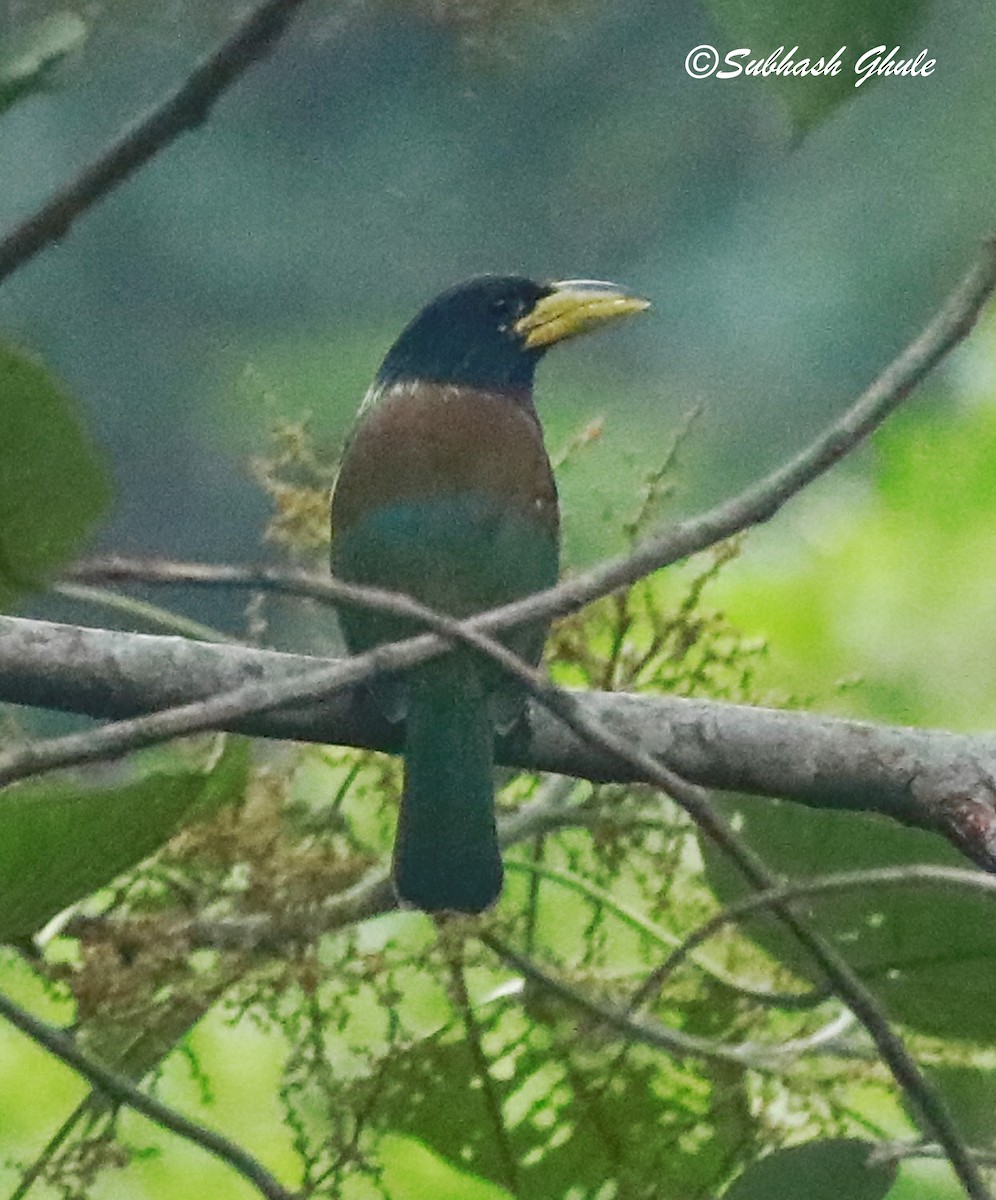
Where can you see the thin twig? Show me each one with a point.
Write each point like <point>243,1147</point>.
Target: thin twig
<point>122,1091</point>
<point>823,1037</point>
<point>141,610</point>
<point>473,1034</point>
<point>753,1055</point>
<point>896,1152</point>
<point>908,875</point>
<point>663,937</point>
<point>32,1173</point>
<point>184,109</point>
<point>924,1098</point>
<point>761,501</point>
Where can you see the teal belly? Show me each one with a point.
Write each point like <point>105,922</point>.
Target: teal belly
<point>458,554</point>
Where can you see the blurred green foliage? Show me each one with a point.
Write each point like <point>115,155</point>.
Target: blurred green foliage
<point>399,1058</point>
<point>61,839</point>
<point>878,597</point>
<point>53,485</point>
<point>27,66</point>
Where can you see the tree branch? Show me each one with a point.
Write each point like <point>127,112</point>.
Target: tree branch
<point>761,501</point>
<point>931,779</point>
<point>122,1091</point>
<point>925,1100</point>
<point>754,506</point>
<point>756,1056</point>
<point>184,109</point>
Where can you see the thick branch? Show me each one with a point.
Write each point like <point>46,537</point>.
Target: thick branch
<point>928,778</point>
<point>183,109</point>
<point>750,507</point>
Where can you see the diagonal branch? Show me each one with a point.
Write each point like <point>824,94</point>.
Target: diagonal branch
<point>754,506</point>
<point>182,110</point>
<point>760,502</point>
<point>122,1091</point>
<point>923,1097</point>
<point>910,875</point>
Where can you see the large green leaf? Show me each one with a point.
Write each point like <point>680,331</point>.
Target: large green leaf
<point>569,1129</point>
<point>836,1169</point>
<point>52,484</point>
<point>818,30</point>
<point>929,954</point>
<point>26,67</point>
<point>412,1172</point>
<point>970,1093</point>
<point>63,837</point>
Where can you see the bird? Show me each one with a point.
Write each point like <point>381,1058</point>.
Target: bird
<point>445,493</point>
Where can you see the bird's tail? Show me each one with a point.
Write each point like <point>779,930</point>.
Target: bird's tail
<point>446,852</point>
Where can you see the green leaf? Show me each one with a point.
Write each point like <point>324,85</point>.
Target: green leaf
<point>63,837</point>
<point>970,1094</point>
<point>412,1172</point>
<point>836,1169</point>
<point>926,1179</point>
<point>818,30</point>
<point>568,1125</point>
<point>26,68</point>
<point>929,954</point>
<point>53,486</point>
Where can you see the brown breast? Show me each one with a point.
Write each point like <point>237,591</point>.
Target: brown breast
<point>428,439</point>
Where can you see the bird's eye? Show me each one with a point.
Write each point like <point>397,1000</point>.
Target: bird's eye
<point>506,312</point>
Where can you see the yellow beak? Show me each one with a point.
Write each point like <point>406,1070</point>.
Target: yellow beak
<point>575,306</point>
